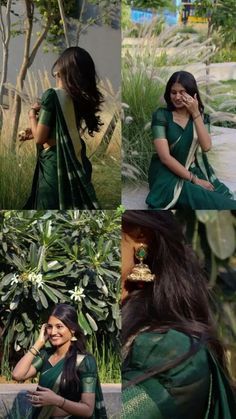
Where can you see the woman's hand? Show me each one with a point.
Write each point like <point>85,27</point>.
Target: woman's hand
<point>43,336</point>
<point>34,110</point>
<point>204,183</point>
<point>43,396</point>
<point>36,106</point>
<point>191,104</point>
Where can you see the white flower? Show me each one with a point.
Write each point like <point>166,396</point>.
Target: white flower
<point>36,279</point>
<point>77,294</point>
<point>15,279</point>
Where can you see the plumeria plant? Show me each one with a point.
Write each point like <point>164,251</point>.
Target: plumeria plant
<point>49,257</point>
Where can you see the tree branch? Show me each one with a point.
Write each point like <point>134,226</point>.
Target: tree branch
<point>38,42</point>
<point>63,18</point>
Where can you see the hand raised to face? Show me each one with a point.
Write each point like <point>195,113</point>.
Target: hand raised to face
<point>191,103</point>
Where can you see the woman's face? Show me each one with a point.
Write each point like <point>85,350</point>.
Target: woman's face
<point>58,332</point>
<point>176,95</point>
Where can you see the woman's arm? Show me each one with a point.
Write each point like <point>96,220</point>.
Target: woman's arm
<point>84,407</point>
<point>163,151</point>
<point>191,104</point>
<point>24,368</point>
<point>39,131</point>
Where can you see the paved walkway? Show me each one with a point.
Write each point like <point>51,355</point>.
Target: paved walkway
<point>222,157</point>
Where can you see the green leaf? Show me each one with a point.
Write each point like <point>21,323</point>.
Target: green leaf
<point>221,235</point>
<point>84,324</point>
<point>50,294</point>
<point>92,322</point>
<point>43,299</point>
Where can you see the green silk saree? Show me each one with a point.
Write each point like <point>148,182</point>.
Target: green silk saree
<point>50,377</point>
<point>196,388</point>
<point>167,190</point>
<point>62,178</point>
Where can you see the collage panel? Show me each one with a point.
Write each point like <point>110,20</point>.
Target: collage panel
<point>117,275</point>
<point>60,100</point>
<point>178,96</point>
<point>59,314</point>
<point>178,314</point>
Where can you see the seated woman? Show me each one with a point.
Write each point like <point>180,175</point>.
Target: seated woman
<point>62,178</point>
<point>69,386</point>
<point>179,174</point>
<point>173,363</point>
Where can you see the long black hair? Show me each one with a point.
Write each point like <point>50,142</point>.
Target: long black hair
<point>178,298</point>
<point>70,382</point>
<point>188,82</point>
<point>77,72</point>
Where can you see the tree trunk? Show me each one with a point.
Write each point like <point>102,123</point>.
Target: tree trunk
<point>6,34</point>
<point>27,62</point>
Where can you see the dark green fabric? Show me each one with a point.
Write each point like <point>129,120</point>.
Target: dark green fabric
<point>183,391</point>
<point>60,180</point>
<point>88,375</point>
<point>162,181</point>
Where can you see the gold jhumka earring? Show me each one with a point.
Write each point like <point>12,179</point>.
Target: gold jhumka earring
<point>140,271</point>
<point>73,339</point>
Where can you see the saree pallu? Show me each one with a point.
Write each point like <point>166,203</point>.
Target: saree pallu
<point>50,377</point>
<point>65,182</point>
<point>167,190</point>
<point>196,388</point>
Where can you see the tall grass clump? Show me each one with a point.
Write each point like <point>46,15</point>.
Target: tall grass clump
<point>148,62</point>
<point>108,360</point>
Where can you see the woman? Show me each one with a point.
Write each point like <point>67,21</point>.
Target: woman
<point>62,178</point>
<point>180,175</point>
<point>69,386</point>
<point>173,364</point>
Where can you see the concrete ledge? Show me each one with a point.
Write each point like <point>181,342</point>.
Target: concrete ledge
<point>13,399</point>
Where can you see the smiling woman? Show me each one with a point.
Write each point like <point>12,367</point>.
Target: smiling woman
<point>180,175</point>
<point>69,386</point>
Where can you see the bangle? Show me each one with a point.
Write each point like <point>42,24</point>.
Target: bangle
<point>33,347</point>
<point>62,404</point>
<point>30,350</point>
<point>197,116</point>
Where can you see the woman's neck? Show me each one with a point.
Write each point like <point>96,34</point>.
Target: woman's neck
<point>63,349</point>
<point>59,84</point>
<point>182,112</point>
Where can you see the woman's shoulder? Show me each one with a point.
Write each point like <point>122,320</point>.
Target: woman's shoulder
<point>86,362</point>
<point>160,115</point>
<point>155,348</point>
<point>48,96</point>
<point>178,341</point>
<point>46,352</point>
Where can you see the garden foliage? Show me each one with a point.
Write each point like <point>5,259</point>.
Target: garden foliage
<point>59,256</point>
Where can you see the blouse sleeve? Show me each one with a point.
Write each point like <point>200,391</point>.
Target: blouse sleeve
<point>206,120</point>
<point>38,361</point>
<point>159,124</point>
<point>47,110</point>
<point>88,374</point>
